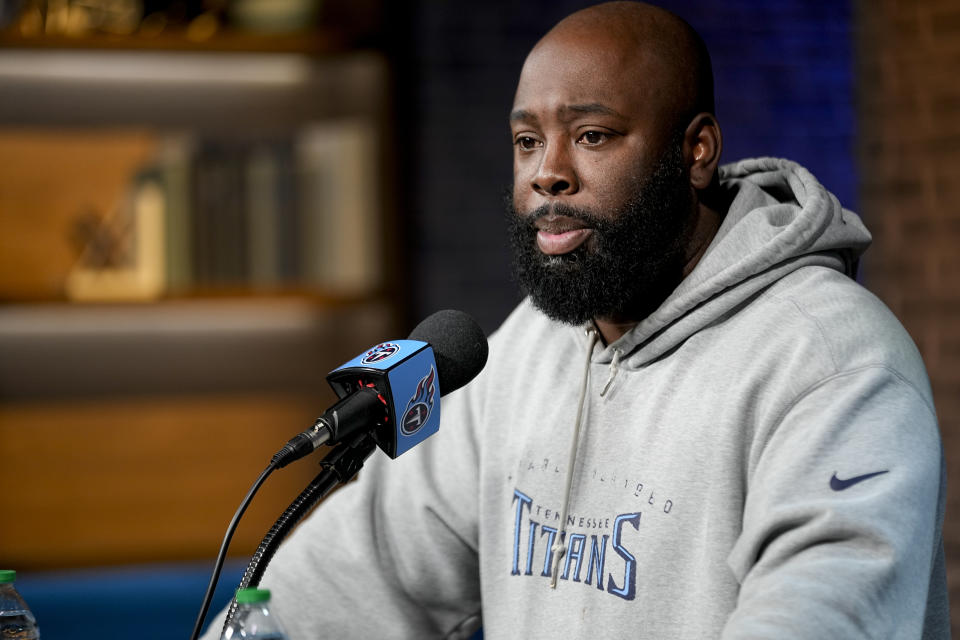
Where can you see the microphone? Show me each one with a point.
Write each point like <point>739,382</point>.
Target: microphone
<point>392,390</point>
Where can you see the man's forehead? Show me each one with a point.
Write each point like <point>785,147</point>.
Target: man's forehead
<point>585,47</point>
<point>629,70</point>
<point>572,79</point>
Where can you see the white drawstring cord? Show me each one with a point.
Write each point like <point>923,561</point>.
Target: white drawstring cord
<point>614,369</point>
<point>559,547</point>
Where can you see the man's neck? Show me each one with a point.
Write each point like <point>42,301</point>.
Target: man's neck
<point>611,331</point>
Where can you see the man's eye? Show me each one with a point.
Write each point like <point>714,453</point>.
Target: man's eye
<point>593,137</point>
<point>526,143</point>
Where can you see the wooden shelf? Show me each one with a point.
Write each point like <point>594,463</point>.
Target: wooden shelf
<point>247,91</point>
<point>138,480</point>
<point>188,346</point>
<point>314,42</point>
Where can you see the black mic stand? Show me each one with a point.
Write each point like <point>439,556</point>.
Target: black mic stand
<point>340,465</point>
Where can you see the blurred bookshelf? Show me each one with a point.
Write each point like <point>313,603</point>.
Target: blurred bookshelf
<point>194,224</point>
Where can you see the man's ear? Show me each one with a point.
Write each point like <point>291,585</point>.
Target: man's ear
<point>702,143</point>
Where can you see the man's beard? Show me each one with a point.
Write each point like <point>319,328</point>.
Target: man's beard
<point>633,260</point>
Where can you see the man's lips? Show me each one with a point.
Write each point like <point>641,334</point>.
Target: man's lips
<point>555,244</point>
<point>557,235</point>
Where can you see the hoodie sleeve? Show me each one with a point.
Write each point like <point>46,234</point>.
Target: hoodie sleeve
<point>843,515</point>
<point>392,555</point>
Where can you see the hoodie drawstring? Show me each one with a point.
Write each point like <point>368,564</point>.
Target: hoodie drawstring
<point>614,369</point>
<point>559,547</point>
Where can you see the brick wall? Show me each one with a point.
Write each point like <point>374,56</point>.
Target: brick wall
<point>909,155</point>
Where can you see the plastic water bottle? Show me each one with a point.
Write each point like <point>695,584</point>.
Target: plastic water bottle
<point>16,619</point>
<point>253,618</point>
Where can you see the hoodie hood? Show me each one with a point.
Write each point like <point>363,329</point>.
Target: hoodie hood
<point>780,219</point>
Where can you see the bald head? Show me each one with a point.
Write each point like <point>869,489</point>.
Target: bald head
<point>646,45</point>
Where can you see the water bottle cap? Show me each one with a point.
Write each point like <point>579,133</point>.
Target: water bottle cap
<point>251,595</point>
<point>7,576</point>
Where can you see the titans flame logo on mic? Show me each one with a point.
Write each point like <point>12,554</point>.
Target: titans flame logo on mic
<point>420,405</point>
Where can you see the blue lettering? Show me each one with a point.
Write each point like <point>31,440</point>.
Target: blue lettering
<point>596,560</point>
<point>521,499</point>
<point>629,589</point>
<point>575,551</point>
<point>530,541</point>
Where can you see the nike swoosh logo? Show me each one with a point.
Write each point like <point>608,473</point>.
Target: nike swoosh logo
<point>839,485</point>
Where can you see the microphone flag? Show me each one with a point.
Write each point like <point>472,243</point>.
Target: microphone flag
<point>404,374</point>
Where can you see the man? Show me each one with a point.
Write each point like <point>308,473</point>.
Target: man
<point>697,425</point>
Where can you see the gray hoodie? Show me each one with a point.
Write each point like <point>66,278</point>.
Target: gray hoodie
<point>759,458</point>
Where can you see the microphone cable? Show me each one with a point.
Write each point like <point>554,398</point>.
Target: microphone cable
<point>339,466</point>
<point>221,557</point>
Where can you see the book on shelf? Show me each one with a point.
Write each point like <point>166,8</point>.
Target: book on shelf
<point>219,214</point>
<point>272,215</point>
<point>174,159</point>
<point>341,248</point>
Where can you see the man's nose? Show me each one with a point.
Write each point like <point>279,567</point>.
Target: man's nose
<point>555,175</point>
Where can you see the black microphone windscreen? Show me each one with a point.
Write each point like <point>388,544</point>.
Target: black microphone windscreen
<point>459,347</point>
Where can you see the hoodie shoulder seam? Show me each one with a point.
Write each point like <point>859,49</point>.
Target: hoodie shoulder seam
<point>816,321</point>
<point>841,374</point>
